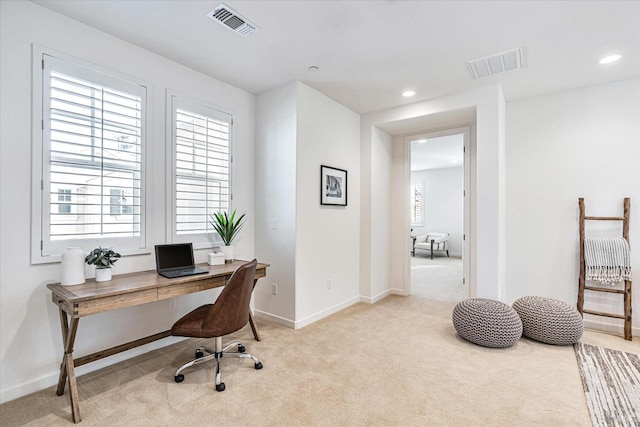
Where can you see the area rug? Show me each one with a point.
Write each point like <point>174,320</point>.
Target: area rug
<point>611,382</point>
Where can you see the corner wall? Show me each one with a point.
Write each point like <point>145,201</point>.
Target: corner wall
<point>276,148</point>
<point>300,129</point>
<point>381,207</point>
<point>579,143</point>
<point>327,237</point>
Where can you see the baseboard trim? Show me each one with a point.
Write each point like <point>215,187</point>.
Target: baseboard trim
<point>324,313</point>
<point>51,379</point>
<point>275,319</point>
<point>609,327</point>
<point>29,387</point>
<point>375,299</point>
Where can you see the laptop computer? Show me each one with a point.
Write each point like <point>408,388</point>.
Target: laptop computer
<point>176,260</point>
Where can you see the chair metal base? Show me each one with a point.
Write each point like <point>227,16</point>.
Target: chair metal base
<point>218,353</point>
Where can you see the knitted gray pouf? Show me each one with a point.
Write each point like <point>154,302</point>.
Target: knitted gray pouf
<point>487,322</point>
<point>548,320</point>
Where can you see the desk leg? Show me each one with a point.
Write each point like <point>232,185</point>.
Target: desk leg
<point>256,334</point>
<point>62,379</point>
<point>67,368</point>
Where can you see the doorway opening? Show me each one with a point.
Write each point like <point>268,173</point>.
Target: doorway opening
<point>439,214</point>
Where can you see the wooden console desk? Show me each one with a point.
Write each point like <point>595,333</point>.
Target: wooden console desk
<point>126,290</point>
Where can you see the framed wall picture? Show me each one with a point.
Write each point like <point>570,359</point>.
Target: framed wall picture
<point>333,186</point>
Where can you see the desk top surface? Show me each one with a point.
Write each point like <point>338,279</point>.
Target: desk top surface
<point>141,280</point>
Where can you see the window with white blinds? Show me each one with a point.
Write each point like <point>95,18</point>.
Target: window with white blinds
<point>417,204</point>
<point>92,159</point>
<point>201,145</point>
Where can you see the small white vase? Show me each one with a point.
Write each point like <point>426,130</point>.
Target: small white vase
<point>228,252</point>
<point>103,274</point>
<point>72,266</point>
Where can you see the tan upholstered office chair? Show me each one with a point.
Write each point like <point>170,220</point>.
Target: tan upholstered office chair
<point>228,314</point>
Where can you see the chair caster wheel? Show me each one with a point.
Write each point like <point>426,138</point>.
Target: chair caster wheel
<point>199,354</point>
<point>179,378</point>
<point>258,365</point>
<point>241,348</point>
<point>220,387</point>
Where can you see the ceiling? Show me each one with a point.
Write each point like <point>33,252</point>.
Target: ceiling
<point>437,153</point>
<point>368,52</point>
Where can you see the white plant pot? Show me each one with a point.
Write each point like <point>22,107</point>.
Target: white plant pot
<point>103,274</point>
<point>228,252</point>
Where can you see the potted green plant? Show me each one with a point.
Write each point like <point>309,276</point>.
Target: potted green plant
<point>103,259</point>
<point>227,226</point>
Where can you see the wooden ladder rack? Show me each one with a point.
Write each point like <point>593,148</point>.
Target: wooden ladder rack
<point>627,283</point>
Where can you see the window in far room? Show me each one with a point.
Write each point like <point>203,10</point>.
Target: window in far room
<point>201,169</point>
<point>416,196</point>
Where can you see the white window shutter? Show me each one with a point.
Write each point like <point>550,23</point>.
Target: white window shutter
<point>92,151</point>
<point>202,165</point>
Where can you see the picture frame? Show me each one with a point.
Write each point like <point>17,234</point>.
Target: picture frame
<point>333,186</point>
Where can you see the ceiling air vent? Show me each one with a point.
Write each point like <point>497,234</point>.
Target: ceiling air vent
<point>497,63</point>
<point>232,20</point>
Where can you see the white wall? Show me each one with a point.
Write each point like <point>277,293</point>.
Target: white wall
<point>30,339</point>
<point>444,204</point>
<point>580,143</point>
<point>380,250</point>
<point>327,237</point>
<point>276,141</point>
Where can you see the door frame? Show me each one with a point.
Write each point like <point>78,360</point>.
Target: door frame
<point>467,239</point>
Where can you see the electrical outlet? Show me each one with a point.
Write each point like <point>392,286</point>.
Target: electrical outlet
<point>328,283</point>
<point>172,304</point>
<point>274,288</point>
<point>274,223</point>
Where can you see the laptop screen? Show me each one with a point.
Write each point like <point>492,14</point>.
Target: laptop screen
<point>174,256</point>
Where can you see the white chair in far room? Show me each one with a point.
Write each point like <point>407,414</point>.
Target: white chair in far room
<point>431,242</point>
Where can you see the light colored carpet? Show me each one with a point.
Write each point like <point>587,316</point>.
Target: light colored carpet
<point>611,381</point>
<point>439,278</point>
<point>396,363</point>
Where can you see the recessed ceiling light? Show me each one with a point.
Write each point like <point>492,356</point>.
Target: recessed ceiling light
<point>314,68</point>
<point>609,59</point>
<point>408,93</point>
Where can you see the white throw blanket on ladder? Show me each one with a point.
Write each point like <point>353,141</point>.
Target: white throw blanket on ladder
<point>607,259</point>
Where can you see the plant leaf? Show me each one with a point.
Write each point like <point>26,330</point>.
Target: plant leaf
<point>227,226</point>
